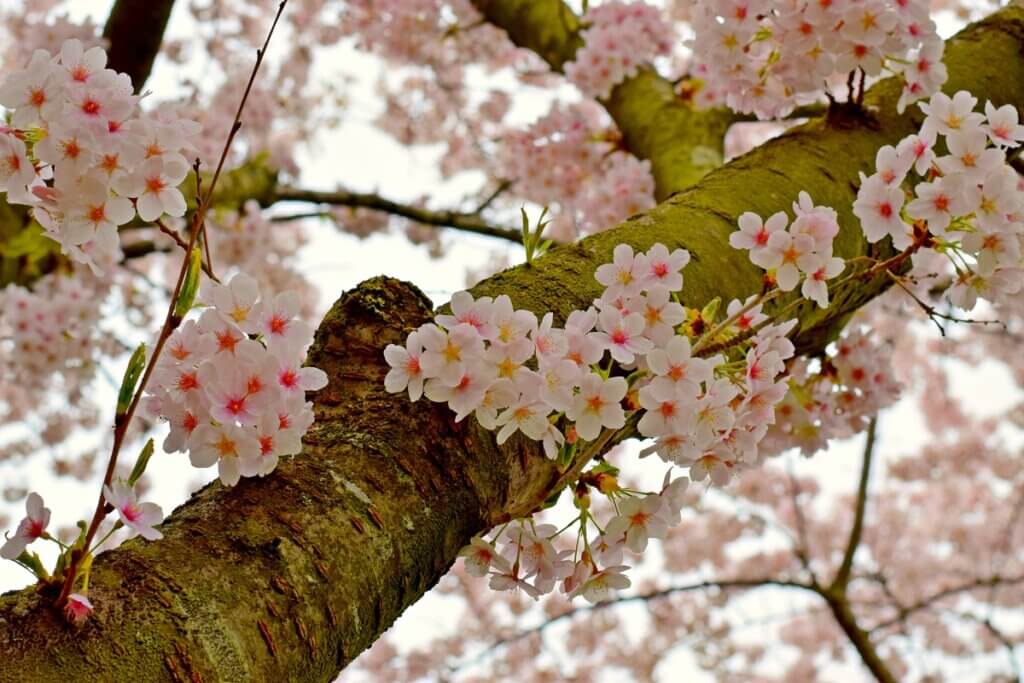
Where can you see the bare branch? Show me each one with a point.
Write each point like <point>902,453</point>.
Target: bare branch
<point>843,574</point>
<point>725,585</point>
<point>926,603</point>
<point>467,222</point>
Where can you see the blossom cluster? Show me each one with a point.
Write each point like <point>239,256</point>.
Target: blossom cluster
<point>965,204</point>
<point>789,252</point>
<point>834,397</point>
<point>567,157</point>
<point>619,38</point>
<point>232,385</point>
<point>79,151</point>
<point>48,327</point>
<point>561,386</point>
<point>769,57</point>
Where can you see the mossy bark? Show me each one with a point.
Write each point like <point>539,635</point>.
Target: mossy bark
<point>291,576</point>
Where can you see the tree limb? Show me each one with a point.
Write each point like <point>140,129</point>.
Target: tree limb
<point>134,32</point>
<point>467,222</point>
<point>289,577</point>
<point>842,579</point>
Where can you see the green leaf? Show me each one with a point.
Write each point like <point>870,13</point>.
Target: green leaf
<point>136,364</point>
<point>190,285</point>
<point>140,464</point>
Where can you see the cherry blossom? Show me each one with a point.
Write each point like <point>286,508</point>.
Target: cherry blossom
<point>30,528</point>
<point>139,517</point>
<point>78,609</point>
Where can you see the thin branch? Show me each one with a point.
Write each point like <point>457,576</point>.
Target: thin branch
<point>731,584</point>
<point>184,245</point>
<point>467,222</point>
<point>121,422</point>
<point>997,633</point>
<point>843,574</point>
<point>926,603</point>
<point>498,191</point>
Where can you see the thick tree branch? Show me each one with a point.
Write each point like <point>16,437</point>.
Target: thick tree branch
<point>860,639</point>
<point>291,576</point>
<point>682,143</point>
<point>134,31</point>
<point>467,222</point>
<point>842,579</point>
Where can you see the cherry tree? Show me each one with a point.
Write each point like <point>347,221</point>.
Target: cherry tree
<point>640,413</point>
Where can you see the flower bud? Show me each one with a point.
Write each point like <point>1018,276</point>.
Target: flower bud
<point>131,377</point>
<point>77,609</point>
<point>190,285</point>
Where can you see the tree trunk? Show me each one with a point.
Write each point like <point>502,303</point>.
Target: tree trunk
<point>291,576</point>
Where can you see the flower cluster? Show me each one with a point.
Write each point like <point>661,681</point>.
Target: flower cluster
<point>619,38</point>
<point>965,204</point>
<point>769,57</point>
<point>231,384</point>
<point>568,158</point>
<point>79,151</point>
<point>529,561</point>
<point>836,398</point>
<point>49,327</point>
<point>802,250</point>
<point>563,386</point>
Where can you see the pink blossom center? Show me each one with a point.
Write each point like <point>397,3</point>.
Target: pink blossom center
<point>278,324</point>
<point>131,512</point>
<point>235,405</point>
<point>288,379</point>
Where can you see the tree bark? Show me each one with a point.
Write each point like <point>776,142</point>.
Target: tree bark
<point>293,575</point>
<point>135,31</point>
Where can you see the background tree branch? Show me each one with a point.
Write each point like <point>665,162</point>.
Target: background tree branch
<point>134,32</point>
<point>470,222</point>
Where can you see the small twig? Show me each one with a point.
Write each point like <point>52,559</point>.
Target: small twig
<point>207,268</point>
<point>500,190</point>
<point>935,315</point>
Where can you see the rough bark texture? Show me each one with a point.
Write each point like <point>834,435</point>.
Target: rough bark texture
<point>291,576</point>
<point>683,144</point>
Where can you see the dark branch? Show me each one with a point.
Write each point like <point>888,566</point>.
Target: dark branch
<point>843,574</point>
<point>928,602</point>
<point>726,585</point>
<point>467,222</point>
<point>135,30</point>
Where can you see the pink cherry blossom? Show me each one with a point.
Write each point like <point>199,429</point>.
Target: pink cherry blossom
<point>139,517</point>
<point>30,528</point>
